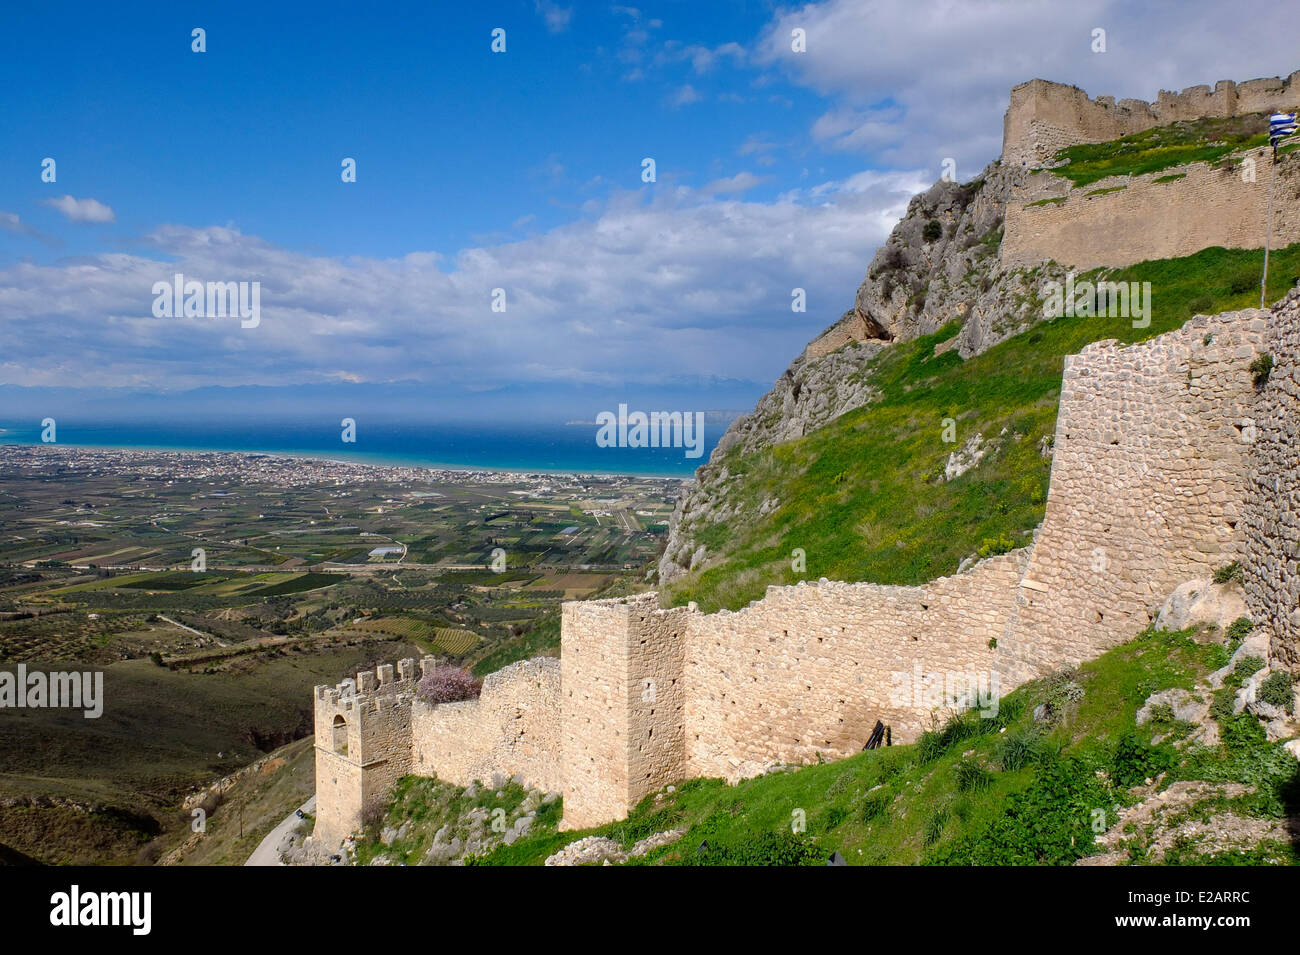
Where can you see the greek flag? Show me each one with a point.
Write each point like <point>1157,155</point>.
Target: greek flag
<point>1280,125</point>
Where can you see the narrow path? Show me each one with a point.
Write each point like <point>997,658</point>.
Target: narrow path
<point>177,623</point>
<point>268,850</point>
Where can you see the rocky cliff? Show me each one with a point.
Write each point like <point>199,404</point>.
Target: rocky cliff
<point>939,265</point>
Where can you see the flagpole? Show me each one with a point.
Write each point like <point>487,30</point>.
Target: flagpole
<point>1268,234</point>
<point>1280,126</point>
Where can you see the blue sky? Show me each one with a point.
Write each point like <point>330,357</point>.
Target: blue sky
<point>520,170</point>
<point>456,146</point>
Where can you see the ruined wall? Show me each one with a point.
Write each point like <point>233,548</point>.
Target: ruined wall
<point>1148,219</point>
<point>1044,117</point>
<point>512,729</point>
<point>1168,464</point>
<point>809,669</point>
<point>1272,510</point>
<point>852,326</point>
<point>1147,488</point>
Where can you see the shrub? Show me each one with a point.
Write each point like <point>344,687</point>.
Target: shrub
<point>769,849</point>
<point>932,230</point>
<point>1260,369</point>
<point>1041,825</point>
<point>1241,283</point>
<point>1248,666</point>
<point>1239,629</point>
<point>1228,572</point>
<point>1017,748</point>
<point>972,777</point>
<point>1276,689</point>
<point>992,546</point>
<point>1062,691</point>
<point>448,684</point>
<point>1136,760</point>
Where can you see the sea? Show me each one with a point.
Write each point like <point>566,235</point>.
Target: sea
<point>528,447</point>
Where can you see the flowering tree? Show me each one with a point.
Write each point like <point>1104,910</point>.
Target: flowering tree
<point>448,684</point>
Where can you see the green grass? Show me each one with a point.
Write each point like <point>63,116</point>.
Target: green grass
<point>1202,140</point>
<point>863,496</point>
<point>997,791</point>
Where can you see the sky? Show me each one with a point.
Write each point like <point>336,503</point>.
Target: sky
<point>520,170</point>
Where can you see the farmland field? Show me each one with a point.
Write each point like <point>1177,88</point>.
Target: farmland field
<point>213,596</point>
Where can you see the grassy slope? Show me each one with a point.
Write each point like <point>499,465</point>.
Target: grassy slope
<point>972,793</point>
<point>1202,140</point>
<point>256,805</point>
<point>861,497</point>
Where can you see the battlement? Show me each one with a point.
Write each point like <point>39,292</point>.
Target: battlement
<point>363,742</point>
<point>375,685</point>
<point>1044,116</point>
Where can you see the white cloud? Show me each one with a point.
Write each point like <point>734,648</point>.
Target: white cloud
<point>685,96</point>
<point>644,290</point>
<point>732,185</point>
<point>912,82</point>
<point>10,222</point>
<point>555,17</point>
<point>82,210</point>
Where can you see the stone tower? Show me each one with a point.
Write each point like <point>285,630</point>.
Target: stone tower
<point>363,744</point>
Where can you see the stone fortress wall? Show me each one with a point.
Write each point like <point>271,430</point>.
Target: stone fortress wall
<point>1164,469</point>
<point>1144,218</point>
<point>1148,488</point>
<point>1168,463</point>
<point>373,731</point>
<point>1271,515</point>
<point>1123,220</point>
<point>1148,482</point>
<point>1045,117</point>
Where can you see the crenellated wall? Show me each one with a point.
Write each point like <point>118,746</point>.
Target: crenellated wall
<point>1044,117</point>
<point>363,744</point>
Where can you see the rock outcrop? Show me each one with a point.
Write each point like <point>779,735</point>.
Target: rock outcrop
<point>939,265</point>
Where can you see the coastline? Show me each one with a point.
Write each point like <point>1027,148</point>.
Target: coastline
<point>377,461</point>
